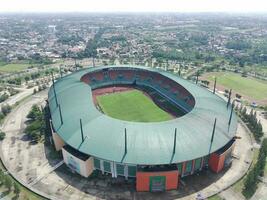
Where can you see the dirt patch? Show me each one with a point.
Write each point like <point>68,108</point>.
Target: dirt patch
<point>109,90</point>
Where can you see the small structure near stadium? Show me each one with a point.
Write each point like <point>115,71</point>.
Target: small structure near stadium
<point>155,154</point>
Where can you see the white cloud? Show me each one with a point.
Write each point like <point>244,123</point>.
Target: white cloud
<point>133,5</point>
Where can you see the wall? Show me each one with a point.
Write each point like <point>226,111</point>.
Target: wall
<point>143,180</point>
<point>59,143</point>
<point>216,161</point>
<point>84,168</point>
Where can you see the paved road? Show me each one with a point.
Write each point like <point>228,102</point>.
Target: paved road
<point>31,165</point>
<point>17,97</point>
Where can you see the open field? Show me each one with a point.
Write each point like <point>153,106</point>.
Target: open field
<point>251,87</point>
<point>13,67</point>
<point>132,106</point>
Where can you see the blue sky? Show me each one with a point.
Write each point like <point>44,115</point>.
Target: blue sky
<point>133,5</point>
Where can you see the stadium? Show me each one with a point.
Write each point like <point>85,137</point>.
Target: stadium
<point>140,123</point>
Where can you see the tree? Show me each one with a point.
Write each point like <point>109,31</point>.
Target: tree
<point>2,116</point>
<point>238,44</point>
<point>17,189</point>
<point>2,135</point>
<point>250,182</point>
<point>27,78</point>
<point>34,113</point>
<point>36,128</point>
<point>238,96</point>
<point>3,97</point>
<point>8,183</point>
<point>2,177</point>
<point>261,162</point>
<point>205,82</point>
<point>6,109</point>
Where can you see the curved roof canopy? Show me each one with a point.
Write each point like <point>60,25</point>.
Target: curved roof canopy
<point>147,143</point>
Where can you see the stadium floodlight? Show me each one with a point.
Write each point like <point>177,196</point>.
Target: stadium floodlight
<point>229,98</point>
<point>212,136</point>
<point>81,126</point>
<point>54,88</point>
<point>125,142</point>
<point>60,114</point>
<point>214,87</point>
<point>174,142</point>
<point>231,114</point>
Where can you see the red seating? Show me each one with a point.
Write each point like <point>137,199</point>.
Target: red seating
<point>113,74</point>
<point>143,75</point>
<point>191,102</point>
<point>98,76</point>
<point>86,79</point>
<point>171,86</point>
<point>128,74</point>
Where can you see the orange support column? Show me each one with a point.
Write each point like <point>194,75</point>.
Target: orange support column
<point>193,166</point>
<point>156,181</point>
<point>184,165</point>
<point>216,162</point>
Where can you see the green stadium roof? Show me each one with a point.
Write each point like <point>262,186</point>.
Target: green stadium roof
<point>147,143</point>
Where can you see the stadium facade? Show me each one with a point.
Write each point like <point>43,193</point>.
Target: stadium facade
<point>155,154</point>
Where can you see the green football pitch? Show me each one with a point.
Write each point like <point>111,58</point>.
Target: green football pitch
<point>132,105</point>
<point>247,86</point>
<point>13,67</point>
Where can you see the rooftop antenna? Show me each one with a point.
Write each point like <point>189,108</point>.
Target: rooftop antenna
<point>93,61</point>
<point>125,144</point>
<point>76,66</point>
<point>174,145</point>
<point>212,136</point>
<point>81,126</point>
<point>60,113</point>
<point>230,119</point>
<point>229,98</point>
<point>214,88</point>
<point>60,71</point>
<point>54,88</point>
<point>174,142</point>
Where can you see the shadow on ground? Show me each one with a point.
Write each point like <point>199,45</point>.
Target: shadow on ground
<point>104,186</point>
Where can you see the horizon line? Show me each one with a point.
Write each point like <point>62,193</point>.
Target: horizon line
<point>133,12</point>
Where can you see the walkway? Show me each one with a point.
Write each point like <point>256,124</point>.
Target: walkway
<point>30,164</point>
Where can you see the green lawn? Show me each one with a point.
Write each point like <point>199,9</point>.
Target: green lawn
<point>13,67</point>
<point>250,87</point>
<point>132,106</point>
<point>216,197</point>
